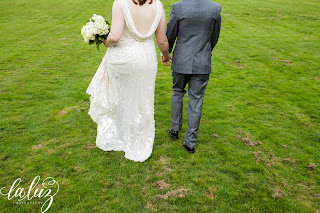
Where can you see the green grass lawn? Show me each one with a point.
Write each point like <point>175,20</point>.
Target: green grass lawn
<point>259,139</point>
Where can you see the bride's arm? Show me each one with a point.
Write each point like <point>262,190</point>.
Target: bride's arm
<point>161,37</point>
<point>117,25</point>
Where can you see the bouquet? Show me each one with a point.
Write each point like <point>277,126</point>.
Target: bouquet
<point>96,30</point>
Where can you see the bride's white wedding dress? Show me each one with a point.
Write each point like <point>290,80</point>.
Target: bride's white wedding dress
<point>122,91</point>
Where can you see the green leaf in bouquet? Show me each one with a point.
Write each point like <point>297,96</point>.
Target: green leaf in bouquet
<point>98,44</point>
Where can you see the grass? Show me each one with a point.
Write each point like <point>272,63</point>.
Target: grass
<point>259,131</point>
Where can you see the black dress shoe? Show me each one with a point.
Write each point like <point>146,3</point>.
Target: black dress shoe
<point>173,134</point>
<point>191,151</point>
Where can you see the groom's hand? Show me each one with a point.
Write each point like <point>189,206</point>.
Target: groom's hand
<point>166,60</point>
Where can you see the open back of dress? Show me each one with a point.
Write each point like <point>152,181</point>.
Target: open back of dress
<point>143,16</point>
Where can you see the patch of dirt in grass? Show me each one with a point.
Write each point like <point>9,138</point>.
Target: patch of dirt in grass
<point>292,161</point>
<point>240,132</point>
<point>89,145</point>
<point>257,143</point>
<point>212,193</point>
<point>312,166</point>
<point>164,160</point>
<point>164,171</point>
<point>53,140</point>
<point>150,207</point>
<point>147,178</point>
<point>50,151</point>
<point>259,155</point>
<point>38,146</point>
<point>270,159</point>
<point>65,111</point>
<point>82,106</point>
<point>239,64</point>
<point>302,187</point>
<point>215,136</point>
<point>163,185</point>
<point>278,194</point>
<point>247,139</point>
<point>76,169</point>
<point>174,193</point>
<point>286,61</point>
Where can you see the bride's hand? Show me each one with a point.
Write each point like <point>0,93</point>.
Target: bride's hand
<point>105,43</point>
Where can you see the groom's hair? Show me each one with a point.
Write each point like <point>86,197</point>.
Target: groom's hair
<point>141,2</point>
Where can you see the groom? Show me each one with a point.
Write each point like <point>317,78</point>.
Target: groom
<point>195,24</point>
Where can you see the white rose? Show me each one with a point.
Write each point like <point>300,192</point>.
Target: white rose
<point>97,18</point>
<point>85,38</point>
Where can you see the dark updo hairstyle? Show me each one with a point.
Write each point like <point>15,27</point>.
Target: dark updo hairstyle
<point>141,2</point>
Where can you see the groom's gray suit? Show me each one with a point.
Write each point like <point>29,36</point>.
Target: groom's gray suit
<point>195,26</point>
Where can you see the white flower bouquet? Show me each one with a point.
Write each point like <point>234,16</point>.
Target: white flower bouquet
<point>96,30</point>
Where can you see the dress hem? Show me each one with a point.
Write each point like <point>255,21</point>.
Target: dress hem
<point>125,155</point>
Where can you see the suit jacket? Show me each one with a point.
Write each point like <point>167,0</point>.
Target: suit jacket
<point>195,26</point>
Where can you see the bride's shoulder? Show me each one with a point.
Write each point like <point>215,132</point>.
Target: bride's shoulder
<point>119,3</point>
<point>160,3</point>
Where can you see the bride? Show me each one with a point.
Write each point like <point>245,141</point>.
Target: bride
<point>122,90</point>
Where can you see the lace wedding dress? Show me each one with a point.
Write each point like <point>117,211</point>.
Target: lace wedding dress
<point>122,91</point>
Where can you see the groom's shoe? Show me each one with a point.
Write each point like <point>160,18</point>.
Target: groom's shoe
<point>191,151</point>
<point>173,134</point>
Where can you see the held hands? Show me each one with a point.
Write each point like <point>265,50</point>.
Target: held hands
<point>166,59</point>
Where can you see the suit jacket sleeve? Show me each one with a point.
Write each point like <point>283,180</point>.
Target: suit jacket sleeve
<point>216,31</point>
<point>172,29</point>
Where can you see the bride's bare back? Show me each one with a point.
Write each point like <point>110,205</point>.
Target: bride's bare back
<point>143,15</point>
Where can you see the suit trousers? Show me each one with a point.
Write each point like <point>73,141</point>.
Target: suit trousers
<point>196,89</point>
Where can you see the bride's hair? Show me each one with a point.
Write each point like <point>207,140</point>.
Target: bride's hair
<point>141,2</point>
